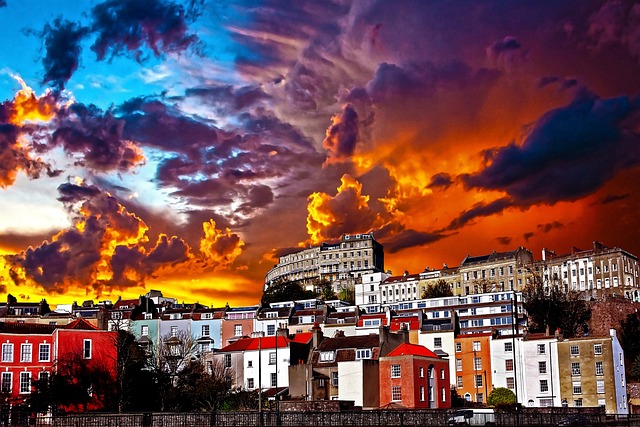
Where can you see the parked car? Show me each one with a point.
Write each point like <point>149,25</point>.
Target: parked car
<point>473,417</point>
<point>575,420</point>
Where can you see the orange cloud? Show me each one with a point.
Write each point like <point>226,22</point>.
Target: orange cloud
<point>330,216</point>
<point>221,247</point>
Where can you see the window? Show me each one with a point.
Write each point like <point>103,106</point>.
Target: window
<point>395,371</point>
<point>479,397</point>
<point>476,346</point>
<point>508,347</point>
<point>478,380</point>
<point>577,387</point>
<point>25,382</point>
<point>544,386</point>
<point>575,369</point>
<point>542,367</point>
<point>272,358</point>
<point>459,382</point>
<point>421,393</point>
<point>334,379</point>
<point>250,364</point>
<point>511,383</point>
<point>5,384</point>
<point>86,349</point>
<point>44,352</point>
<point>274,380</point>
<point>477,364</point>
<point>458,347</point>
<point>205,330</point>
<point>542,349</point>
<point>574,350</point>
<point>437,342</point>
<point>577,403</point>
<point>597,349</point>
<point>363,354</point>
<point>442,374</point>
<point>421,371</point>
<point>25,353</point>
<point>326,356</point>
<point>144,330</point>
<point>458,364</point>
<point>44,376</point>
<point>599,386</point>
<point>174,331</point>
<point>396,393</point>
<point>237,330</point>
<point>7,352</point>
<point>271,329</point>
<point>508,365</point>
<point>227,360</point>
<point>599,368</point>
<point>250,383</point>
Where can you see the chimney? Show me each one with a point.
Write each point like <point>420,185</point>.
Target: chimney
<point>558,334</point>
<point>339,334</point>
<point>317,335</point>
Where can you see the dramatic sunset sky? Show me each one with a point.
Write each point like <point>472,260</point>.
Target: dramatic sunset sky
<point>183,146</point>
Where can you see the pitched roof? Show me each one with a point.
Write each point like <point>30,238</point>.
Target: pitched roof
<point>264,343</point>
<point>303,337</point>
<point>406,349</point>
<point>80,323</point>
<point>26,328</point>
<point>358,341</point>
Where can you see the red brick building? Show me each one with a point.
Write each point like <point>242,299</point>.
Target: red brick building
<point>415,377</point>
<point>31,351</point>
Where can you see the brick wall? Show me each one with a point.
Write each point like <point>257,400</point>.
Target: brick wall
<point>609,313</point>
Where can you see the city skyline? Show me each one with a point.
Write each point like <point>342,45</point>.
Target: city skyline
<point>184,145</point>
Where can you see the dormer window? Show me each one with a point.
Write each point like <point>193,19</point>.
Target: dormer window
<point>207,316</point>
<point>326,356</point>
<point>272,315</point>
<point>148,316</point>
<point>364,353</point>
<point>116,315</point>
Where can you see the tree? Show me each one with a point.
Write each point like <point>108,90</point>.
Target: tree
<point>348,294</point>
<point>285,291</point>
<point>75,383</point>
<point>437,290</point>
<point>326,291</point>
<point>550,307</point>
<point>501,396</point>
<point>132,373</point>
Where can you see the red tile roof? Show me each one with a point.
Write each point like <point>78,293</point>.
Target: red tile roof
<point>303,338</point>
<point>246,344</point>
<point>412,349</point>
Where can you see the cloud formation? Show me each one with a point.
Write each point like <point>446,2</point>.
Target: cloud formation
<point>124,27</point>
<point>569,153</point>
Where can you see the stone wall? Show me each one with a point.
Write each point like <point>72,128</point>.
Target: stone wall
<point>609,313</point>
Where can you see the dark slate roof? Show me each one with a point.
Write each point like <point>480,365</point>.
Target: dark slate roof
<point>493,256</point>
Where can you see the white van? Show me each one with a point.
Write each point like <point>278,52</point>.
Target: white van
<point>473,417</point>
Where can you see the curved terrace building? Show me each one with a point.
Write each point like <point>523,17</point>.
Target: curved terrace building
<point>340,263</point>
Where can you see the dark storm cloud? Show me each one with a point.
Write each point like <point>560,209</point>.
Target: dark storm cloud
<point>227,99</point>
<point>616,23</point>
<point>342,135</point>
<point>569,153</point>
<point>612,198</point>
<point>415,82</point>
<point>16,157</point>
<point>504,240</point>
<point>507,53</point>
<point>78,253</point>
<point>440,180</point>
<point>125,26</point>
<point>260,196</point>
<point>528,235</point>
<point>3,3</point>
<point>62,43</point>
<point>97,137</point>
<point>72,193</point>
<point>480,210</point>
<point>410,239</point>
<point>545,228</point>
<point>277,21</point>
